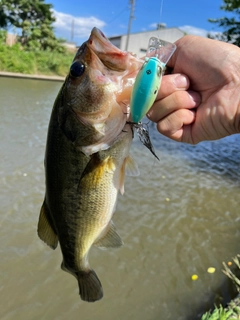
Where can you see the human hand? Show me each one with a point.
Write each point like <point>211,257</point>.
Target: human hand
<point>200,100</point>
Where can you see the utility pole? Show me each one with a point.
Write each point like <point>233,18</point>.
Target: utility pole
<point>132,3</point>
<point>72,30</point>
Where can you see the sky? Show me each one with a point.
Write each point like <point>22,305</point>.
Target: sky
<point>76,18</point>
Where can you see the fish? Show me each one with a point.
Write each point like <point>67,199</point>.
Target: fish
<point>87,157</point>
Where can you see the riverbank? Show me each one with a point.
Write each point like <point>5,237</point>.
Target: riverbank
<point>232,310</point>
<point>50,63</point>
<point>31,76</point>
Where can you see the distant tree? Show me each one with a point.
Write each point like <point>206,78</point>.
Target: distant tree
<point>34,19</point>
<point>231,25</point>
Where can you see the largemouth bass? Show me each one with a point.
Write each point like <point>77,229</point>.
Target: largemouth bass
<point>87,156</point>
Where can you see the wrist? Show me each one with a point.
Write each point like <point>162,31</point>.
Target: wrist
<point>234,96</point>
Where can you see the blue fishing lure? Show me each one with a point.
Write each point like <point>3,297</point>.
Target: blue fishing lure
<point>145,88</point>
<point>149,78</point>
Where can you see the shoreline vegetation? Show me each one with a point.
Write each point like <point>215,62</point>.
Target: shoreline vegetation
<point>232,310</point>
<point>15,59</point>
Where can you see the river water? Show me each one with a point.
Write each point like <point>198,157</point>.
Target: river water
<point>178,218</point>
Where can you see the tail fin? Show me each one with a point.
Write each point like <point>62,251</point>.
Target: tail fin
<point>90,288</point>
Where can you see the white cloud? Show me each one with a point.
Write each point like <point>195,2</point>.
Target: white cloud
<point>82,25</point>
<point>199,32</point>
<point>194,30</point>
<point>155,25</point>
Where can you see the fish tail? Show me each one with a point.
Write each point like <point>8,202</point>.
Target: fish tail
<point>90,288</point>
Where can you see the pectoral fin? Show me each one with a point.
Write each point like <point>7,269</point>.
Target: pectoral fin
<point>110,239</point>
<point>45,230</point>
<point>129,168</point>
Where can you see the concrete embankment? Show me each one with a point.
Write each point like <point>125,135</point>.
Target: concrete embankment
<point>31,76</point>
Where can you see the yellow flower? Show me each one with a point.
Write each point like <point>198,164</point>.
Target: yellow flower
<point>211,270</point>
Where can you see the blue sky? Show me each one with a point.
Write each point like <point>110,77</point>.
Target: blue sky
<point>112,16</point>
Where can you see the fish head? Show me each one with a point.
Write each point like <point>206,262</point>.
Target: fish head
<point>96,94</point>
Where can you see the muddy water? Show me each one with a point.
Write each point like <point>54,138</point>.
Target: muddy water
<point>179,217</point>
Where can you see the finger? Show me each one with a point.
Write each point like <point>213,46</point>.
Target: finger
<point>177,125</point>
<point>175,101</point>
<point>171,83</point>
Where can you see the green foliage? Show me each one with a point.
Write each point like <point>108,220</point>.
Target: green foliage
<point>219,314</point>
<point>34,18</point>
<point>231,25</point>
<point>15,59</point>
<point>232,310</point>
<point>3,35</point>
<point>11,60</point>
<point>231,5</point>
<point>21,12</point>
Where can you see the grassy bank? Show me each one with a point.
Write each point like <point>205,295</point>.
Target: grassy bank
<point>232,310</point>
<point>14,59</point>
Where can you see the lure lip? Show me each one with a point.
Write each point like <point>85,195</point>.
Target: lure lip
<point>161,49</point>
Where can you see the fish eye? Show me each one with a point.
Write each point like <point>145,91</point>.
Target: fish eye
<point>77,69</point>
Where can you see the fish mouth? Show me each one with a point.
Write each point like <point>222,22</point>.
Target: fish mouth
<point>114,66</point>
<point>112,57</point>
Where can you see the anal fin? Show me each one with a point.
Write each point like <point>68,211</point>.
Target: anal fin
<point>111,239</point>
<point>45,230</point>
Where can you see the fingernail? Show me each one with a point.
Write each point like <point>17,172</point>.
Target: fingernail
<point>181,81</point>
<point>195,96</point>
<point>149,114</point>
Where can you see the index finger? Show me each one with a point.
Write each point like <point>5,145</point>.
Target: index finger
<point>171,83</point>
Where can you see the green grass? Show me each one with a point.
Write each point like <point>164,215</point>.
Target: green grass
<point>14,59</point>
<point>221,314</point>
<point>232,310</point>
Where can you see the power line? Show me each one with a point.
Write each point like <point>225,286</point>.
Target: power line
<point>118,14</point>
